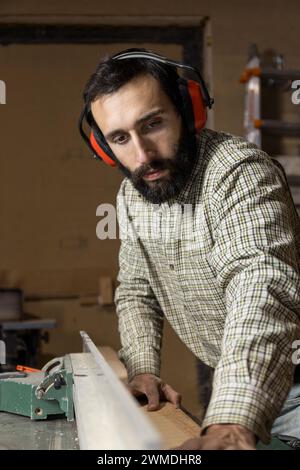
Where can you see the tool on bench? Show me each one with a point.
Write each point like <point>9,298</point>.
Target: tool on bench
<point>39,394</point>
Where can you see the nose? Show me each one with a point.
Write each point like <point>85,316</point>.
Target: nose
<point>143,150</point>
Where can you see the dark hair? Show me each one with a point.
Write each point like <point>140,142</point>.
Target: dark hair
<point>110,75</point>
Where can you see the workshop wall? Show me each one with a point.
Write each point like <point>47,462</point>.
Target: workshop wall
<point>272,24</point>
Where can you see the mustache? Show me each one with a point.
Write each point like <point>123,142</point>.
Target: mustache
<point>156,165</point>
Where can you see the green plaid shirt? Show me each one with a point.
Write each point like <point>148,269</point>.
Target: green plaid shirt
<point>221,263</point>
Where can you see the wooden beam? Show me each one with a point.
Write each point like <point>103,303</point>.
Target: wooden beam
<point>107,415</point>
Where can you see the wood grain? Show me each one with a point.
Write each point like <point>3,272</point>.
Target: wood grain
<point>173,424</point>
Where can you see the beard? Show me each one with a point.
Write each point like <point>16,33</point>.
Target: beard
<point>179,166</point>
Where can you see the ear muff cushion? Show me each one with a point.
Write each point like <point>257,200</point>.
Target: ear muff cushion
<point>186,102</point>
<point>193,104</point>
<point>199,108</point>
<point>100,151</point>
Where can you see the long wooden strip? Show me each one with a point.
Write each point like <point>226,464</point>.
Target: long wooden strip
<point>107,415</point>
<point>173,424</point>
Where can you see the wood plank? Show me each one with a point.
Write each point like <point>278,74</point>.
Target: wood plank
<point>107,415</point>
<point>173,424</point>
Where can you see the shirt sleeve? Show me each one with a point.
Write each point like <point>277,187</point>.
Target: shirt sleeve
<point>256,262</point>
<point>140,317</point>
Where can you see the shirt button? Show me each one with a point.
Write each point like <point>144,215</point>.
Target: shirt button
<point>171,266</point>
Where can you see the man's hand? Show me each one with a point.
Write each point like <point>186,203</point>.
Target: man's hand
<point>154,389</point>
<point>222,437</point>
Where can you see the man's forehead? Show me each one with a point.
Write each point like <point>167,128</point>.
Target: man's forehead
<point>142,87</point>
<point>129,103</point>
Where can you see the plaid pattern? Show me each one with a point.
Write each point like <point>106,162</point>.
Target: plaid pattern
<point>228,284</point>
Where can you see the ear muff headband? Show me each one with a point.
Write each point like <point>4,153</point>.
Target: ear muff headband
<point>164,60</point>
<point>195,100</point>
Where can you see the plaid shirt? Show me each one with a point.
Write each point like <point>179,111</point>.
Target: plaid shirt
<point>221,263</point>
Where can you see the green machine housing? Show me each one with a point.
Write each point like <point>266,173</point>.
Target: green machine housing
<point>39,394</point>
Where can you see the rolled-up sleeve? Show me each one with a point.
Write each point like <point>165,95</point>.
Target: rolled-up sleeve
<point>256,262</point>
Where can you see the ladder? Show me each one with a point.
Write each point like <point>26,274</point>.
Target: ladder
<point>255,78</point>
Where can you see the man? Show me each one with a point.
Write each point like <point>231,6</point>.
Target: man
<point>213,245</point>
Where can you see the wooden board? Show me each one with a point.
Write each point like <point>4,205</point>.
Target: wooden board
<point>173,424</point>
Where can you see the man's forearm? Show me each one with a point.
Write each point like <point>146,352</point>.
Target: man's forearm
<point>140,326</point>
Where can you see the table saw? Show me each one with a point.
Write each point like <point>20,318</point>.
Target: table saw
<point>79,402</point>
<point>61,407</point>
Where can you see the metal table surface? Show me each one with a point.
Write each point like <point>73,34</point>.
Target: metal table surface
<point>22,433</point>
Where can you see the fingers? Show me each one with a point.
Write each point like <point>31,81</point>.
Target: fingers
<point>170,394</point>
<point>208,443</point>
<point>148,386</point>
<point>190,444</point>
<point>153,396</point>
<point>133,390</point>
<point>154,389</point>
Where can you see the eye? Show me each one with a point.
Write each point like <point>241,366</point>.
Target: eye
<point>120,139</point>
<point>154,123</point>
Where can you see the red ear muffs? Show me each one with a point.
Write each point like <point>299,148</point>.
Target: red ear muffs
<point>194,108</point>
<point>199,108</point>
<point>95,141</point>
<point>100,151</point>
